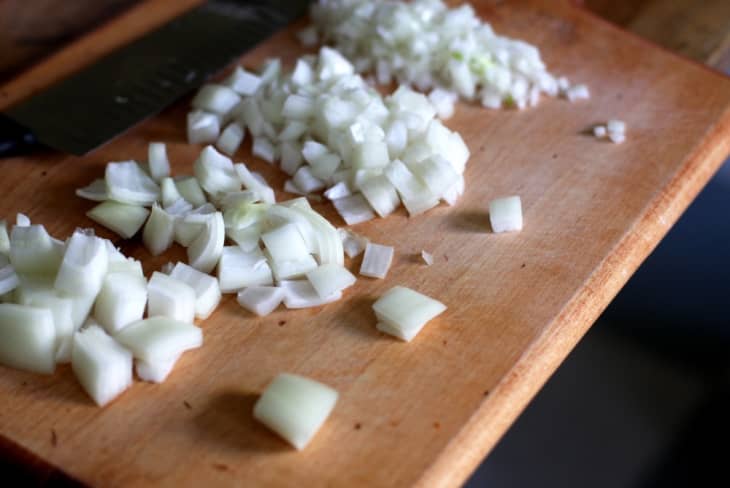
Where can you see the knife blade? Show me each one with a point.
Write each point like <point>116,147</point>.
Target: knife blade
<point>136,81</point>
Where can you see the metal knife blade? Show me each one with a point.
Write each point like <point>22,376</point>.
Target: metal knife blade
<point>138,80</point>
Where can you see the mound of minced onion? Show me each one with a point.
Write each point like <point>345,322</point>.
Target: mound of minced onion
<point>332,132</point>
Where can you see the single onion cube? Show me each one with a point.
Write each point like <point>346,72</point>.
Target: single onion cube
<point>403,312</point>
<point>285,243</point>
<point>260,300</point>
<point>377,260</point>
<point>155,371</point>
<point>295,407</point>
<point>121,301</point>
<point>27,338</point>
<point>505,214</point>
<point>207,291</point>
<point>354,209</point>
<point>328,279</point>
<point>84,265</point>
<point>238,269</point>
<point>125,220</point>
<point>158,162</point>
<point>101,364</point>
<point>301,294</point>
<point>160,338</point>
<point>171,298</point>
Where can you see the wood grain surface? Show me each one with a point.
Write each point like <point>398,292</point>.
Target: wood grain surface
<point>427,412</point>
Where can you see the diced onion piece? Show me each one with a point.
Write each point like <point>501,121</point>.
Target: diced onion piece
<point>250,182</point>
<point>443,101</point>
<point>101,364</point>
<point>238,269</point>
<point>192,224</point>
<point>617,137</point>
<point>260,300</point>
<point>301,294</point>
<point>577,92</point>
<point>380,194</point>
<point>33,251</point>
<point>157,160</point>
<point>170,298</point>
<point>230,139</point>
<point>353,209</point>
<point>339,190</point>
<point>415,195</point>
<point>306,182</point>
<point>295,407</point>
<point>22,220</point>
<point>599,131</point>
<point>169,192</point>
<point>4,238</point>
<point>207,290</point>
<point>243,82</point>
<point>218,99</point>
<point>190,189</point>
<point>376,261</point>
<point>159,231</point>
<point>284,270</point>
<point>127,183</point>
<point>203,127</point>
<point>505,214</point>
<point>328,279</point>
<point>427,257</point>
<point>285,243</point>
<point>618,126</point>
<point>155,371</point>
<point>353,244</point>
<point>27,338</point>
<point>84,266</point>
<point>8,279</point>
<point>95,191</point>
<point>61,309</point>
<point>303,73</point>
<point>437,173</point>
<point>403,312</point>
<point>160,338</point>
<point>290,187</point>
<point>125,220</point>
<point>215,172</point>
<point>264,149</point>
<point>121,301</point>
<point>246,238</point>
<point>205,250</point>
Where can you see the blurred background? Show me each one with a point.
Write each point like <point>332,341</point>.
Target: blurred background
<point>644,399</point>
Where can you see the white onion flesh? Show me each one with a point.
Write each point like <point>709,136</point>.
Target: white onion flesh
<point>4,238</point>
<point>260,300</point>
<point>239,269</point>
<point>354,209</point>
<point>22,220</point>
<point>206,249</point>
<point>8,278</point>
<point>61,308</point>
<point>160,338</point>
<point>170,298</point>
<point>505,214</point>
<point>376,261</point>
<point>285,243</point>
<point>101,364</point>
<point>83,267</point>
<point>203,127</point>
<point>159,231</point>
<point>243,82</point>
<point>33,250</point>
<point>27,338</point>
<point>169,193</point>
<point>328,279</point>
<point>217,99</point>
<point>121,301</point>
<point>215,172</point>
<point>155,371</point>
<point>353,244</point>
<point>127,183</point>
<point>230,139</point>
<point>207,290</point>
<point>192,224</point>
<point>427,257</point>
<point>95,191</point>
<point>403,312</point>
<point>158,162</point>
<point>295,407</point>
<point>191,191</point>
<point>124,219</point>
<point>301,294</point>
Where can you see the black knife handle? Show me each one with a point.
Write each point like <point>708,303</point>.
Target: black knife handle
<point>15,140</point>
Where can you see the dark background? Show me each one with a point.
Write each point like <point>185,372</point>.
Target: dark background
<point>644,399</point>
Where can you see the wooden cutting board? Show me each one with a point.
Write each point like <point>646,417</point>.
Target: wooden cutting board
<point>420,413</point>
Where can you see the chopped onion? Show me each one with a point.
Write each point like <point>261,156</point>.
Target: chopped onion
<point>328,279</point>
<point>8,279</point>
<point>415,195</point>
<point>157,159</point>
<point>170,298</point>
<point>285,244</point>
<point>599,131</point>
<point>306,182</point>
<point>190,189</point>
<point>427,257</point>
<point>231,138</point>
<point>159,231</point>
<point>192,224</point>
<point>264,149</point>
<point>380,194</point>
<point>295,407</point>
<point>83,267</point>
<point>301,294</point>
<point>22,220</point>
<point>4,238</point>
<point>127,183</point>
<point>121,301</point>
<point>354,209</point>
<point>215,172</point>
<point>207,291</point>
<point>155,371</point>
<point>96,191</point>
<point>160,338</point>
<point>203,127</point>
<point>218,99</point>
<point>284,270</point>
<point>205,250</point>
<point>505,214</point>
<point>243,82</point>
<point>27,338</point>
<point>42,295</point>
<point>101,364</point>
<point>618,126</point>
<point>339,190</point>
<point>616,137</point>
<point>577,92</point>
<point>238,269</point>
<point>376,261</point>
<point>33,251</point>
<point>250,182</point>
<point>169,193</point>
<point>403,312</point>
<point>124,219</point>
<point>353,244</point>
<point>260,300</point>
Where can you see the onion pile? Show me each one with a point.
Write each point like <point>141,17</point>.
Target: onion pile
<point>332,132</point>
<point>432,47</point>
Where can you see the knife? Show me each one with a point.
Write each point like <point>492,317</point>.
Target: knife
<point>140,79</point>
